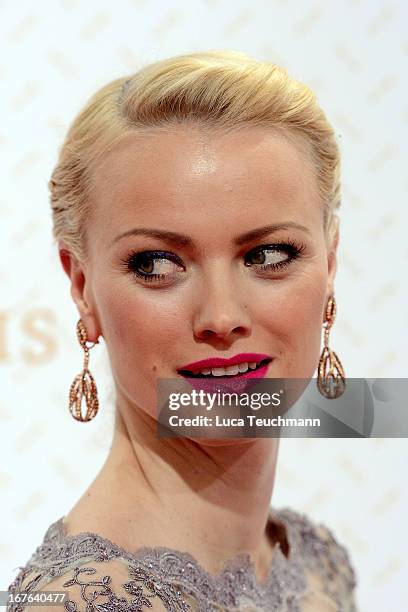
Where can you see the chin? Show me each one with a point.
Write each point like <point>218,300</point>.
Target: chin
<point>223,441</point>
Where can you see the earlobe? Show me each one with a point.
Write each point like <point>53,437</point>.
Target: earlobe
<point>73,270</point>
<point>332,255</point>
<point>332,265</point>
<point>78,284</point>
<point>75,273</point>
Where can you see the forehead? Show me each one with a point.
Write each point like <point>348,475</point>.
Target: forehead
<point>181,170</point>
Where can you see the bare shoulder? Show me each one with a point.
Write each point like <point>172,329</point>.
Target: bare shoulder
<point>99,586</point>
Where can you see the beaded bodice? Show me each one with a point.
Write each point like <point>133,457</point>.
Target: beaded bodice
<point>310,570</point>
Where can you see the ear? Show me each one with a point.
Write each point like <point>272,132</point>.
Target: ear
<point>332,254</point>
<point>78,274</point>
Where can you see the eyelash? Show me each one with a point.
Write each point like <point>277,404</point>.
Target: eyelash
<point>293,249</point>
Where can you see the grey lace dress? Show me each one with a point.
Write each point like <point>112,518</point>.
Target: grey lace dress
<point>310,571</point>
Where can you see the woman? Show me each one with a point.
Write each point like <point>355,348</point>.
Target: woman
<point>194,208</point>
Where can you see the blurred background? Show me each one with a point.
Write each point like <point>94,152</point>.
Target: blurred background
<point>54,55</point>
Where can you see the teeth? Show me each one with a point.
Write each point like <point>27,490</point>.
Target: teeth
<point>232,370</point>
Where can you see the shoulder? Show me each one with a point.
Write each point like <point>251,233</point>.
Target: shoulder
<point>94,573</point>
<point>95,586</point>
<point>322,553</point>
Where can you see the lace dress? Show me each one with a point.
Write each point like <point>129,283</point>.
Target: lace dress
<point>310,571</point>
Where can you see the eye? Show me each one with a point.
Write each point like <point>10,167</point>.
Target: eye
<point>152,266</point>
<point>274,257</point>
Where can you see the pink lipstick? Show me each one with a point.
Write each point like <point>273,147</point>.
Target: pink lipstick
<point>192,371</point>
<point>195,367</point>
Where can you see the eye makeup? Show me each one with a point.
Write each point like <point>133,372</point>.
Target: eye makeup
<point>141,263</point>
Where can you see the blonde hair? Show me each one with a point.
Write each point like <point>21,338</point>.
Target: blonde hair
<point>219,89</point>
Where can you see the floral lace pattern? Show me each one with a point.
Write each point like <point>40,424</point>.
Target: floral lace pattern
<point>180,582</point>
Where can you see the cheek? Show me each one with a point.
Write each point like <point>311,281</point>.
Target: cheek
<point>140,326</point>
<point>300,310</point>
<point>294,321</point>
<point>139,329</point>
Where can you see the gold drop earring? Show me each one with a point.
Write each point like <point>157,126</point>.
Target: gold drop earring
<point>84,384</point>
<point>331,380</point>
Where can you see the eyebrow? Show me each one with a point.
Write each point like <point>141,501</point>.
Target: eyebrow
<point>181,240</point>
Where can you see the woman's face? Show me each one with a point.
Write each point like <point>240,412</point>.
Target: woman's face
<point>204,290</point>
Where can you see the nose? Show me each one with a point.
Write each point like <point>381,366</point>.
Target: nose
<point>221,312</point>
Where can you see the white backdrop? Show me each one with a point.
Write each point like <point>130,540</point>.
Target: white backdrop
<point>54,55</point>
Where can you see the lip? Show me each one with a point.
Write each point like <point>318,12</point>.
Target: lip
<point>214,362</point>
<point>241,383</point>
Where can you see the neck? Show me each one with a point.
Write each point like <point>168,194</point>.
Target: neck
<point>212,501</point>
